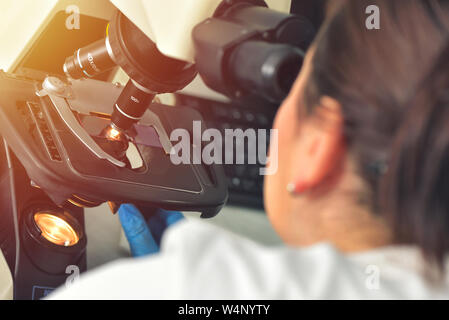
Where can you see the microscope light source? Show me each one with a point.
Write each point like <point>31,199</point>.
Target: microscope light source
<point>56,230</point>
<point>113,134</point>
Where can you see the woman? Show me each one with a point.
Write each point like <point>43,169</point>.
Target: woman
<point>361,194</point>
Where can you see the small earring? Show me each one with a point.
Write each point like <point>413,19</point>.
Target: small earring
<point>291,188</point>
<point>297,189</point>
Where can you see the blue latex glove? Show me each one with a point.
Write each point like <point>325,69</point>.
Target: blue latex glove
<point>144,237</point>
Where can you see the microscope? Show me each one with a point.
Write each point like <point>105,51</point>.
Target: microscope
<point>74,140</point>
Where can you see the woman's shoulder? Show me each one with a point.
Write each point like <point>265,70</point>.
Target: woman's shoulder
<point>220,264</point>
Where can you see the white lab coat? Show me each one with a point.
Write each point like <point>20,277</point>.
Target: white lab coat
<point>200,261</point>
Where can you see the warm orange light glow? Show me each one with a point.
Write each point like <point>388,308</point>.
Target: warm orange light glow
<point>56,230</point>
<point>113,134</point>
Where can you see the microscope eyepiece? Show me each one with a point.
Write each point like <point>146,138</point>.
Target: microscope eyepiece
<point>259,52</point>
<point>270,72</point>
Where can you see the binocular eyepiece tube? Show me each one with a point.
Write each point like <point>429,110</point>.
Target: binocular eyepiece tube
<point>271,71</point>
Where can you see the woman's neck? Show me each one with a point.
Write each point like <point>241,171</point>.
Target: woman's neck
<point>354,229</point>
<point>340,218</point>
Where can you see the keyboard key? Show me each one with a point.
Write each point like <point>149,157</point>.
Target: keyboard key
<point>250,117</point>
<point>253,171</point>
<point>236,182</point>
<point>220,111</point>
<point>249,185</point>
<point>240,170</point>
<point>236,114</point>
<point>262,119</point>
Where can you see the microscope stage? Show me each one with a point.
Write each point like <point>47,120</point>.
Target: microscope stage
<point>61,156</point>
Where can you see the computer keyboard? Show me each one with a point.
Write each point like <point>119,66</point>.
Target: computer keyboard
<point>245,182</point>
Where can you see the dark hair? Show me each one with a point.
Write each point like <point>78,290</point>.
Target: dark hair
<point>393,85</point>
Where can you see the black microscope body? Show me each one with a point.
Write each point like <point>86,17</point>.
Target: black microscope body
<point>58,152</point>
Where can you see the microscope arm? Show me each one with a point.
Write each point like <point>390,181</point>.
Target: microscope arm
<point>170,25</point>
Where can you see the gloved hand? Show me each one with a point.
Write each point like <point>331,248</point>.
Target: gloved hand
<point>144,235</point>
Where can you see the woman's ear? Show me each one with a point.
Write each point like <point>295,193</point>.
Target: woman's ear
<point>321,147</point>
